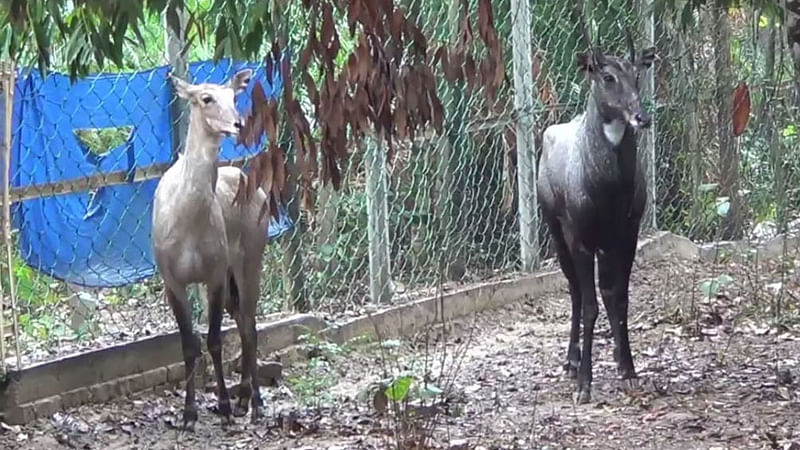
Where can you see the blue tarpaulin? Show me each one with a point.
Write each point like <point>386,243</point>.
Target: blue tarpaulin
<point>102,238</point>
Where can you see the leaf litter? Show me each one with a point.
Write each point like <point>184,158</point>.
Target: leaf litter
<point>714,372</point>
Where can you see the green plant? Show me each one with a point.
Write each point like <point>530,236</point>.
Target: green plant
<point>33,289</point>
<point>43,327</point>
<point>790,135</point>
<point>711,287</point>
<point>314,381</point>
<point>409,387</point>
<point>313,384</point>
<point>100,141</point>
<point>317,347</point>
<point>405,386</point>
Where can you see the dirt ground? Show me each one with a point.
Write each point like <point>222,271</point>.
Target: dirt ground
<point>714,373</point>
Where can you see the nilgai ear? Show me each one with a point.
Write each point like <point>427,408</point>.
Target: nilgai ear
<point>182,88</point>
<point>646,57</point>
<point>240,80</point>
<point>591,61</point>
<point>585,61</point>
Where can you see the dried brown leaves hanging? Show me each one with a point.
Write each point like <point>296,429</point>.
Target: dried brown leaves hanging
<point>386,89</point>
<point>547,92</point>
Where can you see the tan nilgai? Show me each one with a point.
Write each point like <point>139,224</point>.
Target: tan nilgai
<point>200,236</point>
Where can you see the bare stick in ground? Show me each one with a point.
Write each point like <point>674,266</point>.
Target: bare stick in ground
<point>200,236</point>
<point>592,191</point>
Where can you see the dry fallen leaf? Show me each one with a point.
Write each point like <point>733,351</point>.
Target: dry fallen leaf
<point>741,108</point>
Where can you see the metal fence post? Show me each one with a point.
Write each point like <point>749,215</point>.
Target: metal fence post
<point>175,43</point>
<point>648,138</point>
<point>378,222</point>
<point>526,151</point>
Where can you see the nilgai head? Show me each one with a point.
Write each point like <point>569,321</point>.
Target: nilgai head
<point>213,104</point>
<point>615,84</point>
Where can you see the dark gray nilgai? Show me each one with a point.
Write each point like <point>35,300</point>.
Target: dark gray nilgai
<point>592,192</point>
<point>200,236</point>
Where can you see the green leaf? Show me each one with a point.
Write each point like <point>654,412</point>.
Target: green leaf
<point>775,10</point>
<point>735,52</point>
<point>723,208</point>
<point>254,39</point>
<point>707,187</point>
<point>392,343</point>
<point>41,32</point>
<point>687,15</point>
<point>221,41</point>
<point>119,39</point>
<point>789,131</point>
<point>398,390</point>
<point>259,10</point>
<point>75,44</point>
<point>156,6</point>
<point>763,21</point>
<point>327,252</point>
<point>5,41</point>
<point>724,280</point>
<point>709,288</point>
<point>430,391</point>
<point>138,33</point>
<point>54,11</point>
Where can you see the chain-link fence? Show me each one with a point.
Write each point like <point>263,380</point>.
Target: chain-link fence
<point>85,159</point>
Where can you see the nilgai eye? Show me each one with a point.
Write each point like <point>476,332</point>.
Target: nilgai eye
<point>608,78</point>
<point>207,99</point>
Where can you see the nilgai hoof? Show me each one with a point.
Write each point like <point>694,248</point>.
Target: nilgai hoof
<point>240,391</point>
<point>627,374</point>
<point>224,410</point>
<point>582,396</point>
<point>256,415</point>
<point>241,409</point>
<point>189,419</point>
<point>630,385</point>
<point>571,369</point>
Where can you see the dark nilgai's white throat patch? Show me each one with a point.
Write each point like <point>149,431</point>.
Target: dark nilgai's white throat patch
<point>614,131</point>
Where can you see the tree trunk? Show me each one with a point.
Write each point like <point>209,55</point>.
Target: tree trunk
<point>728,153</point>
<point>449,212</point>
<point>293,276</point>
<point>767,126</point>
<point>793,37</point>
<point>670,195</point>
<point>687,48</point>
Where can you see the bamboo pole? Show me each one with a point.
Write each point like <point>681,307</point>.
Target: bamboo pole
<point>7,72</point>
<point>4,90</point>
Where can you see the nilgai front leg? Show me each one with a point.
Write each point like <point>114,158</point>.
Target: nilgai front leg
<point>584,267</point>
<point>190,343</point>
<point>216,300</point>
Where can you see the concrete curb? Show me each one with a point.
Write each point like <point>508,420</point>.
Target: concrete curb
<point>747,251</point>
<point>408,318</point>
<point>101,375</point>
